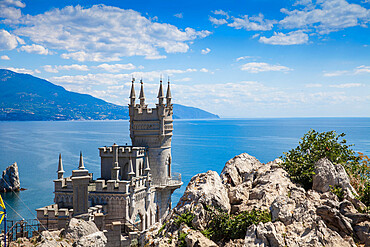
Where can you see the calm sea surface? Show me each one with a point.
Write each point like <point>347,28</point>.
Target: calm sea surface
<point>197,146</point>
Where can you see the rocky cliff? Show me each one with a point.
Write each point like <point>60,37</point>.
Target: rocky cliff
<point>10,179</point>
<point>297,217</point>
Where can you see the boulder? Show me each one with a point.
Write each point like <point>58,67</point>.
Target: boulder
<point>85,233</point>
<point>204,189</point>
<point>328,175</point>
<point>196,238</point>
<point>10,179</point>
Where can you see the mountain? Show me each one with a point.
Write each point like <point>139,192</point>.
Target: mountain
<point>24,97</point>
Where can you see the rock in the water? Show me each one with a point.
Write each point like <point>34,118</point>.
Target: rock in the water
<point>10,179</point>
<point>328,175</point>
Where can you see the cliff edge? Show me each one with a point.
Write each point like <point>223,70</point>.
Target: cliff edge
<point>255,204</point>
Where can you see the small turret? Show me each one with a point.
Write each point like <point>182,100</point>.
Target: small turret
<point>169,95</point>
<point>116,168</point>
<point>160,94</point>
<point>131,172</point>
<point>142,96</point>
<point>132,95</point>
<point>81,164</point>
<point>60,168</point>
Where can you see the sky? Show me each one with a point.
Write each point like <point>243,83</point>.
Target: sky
<point>236,58</point>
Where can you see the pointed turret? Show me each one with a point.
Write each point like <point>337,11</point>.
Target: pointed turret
<point>142,96</point>
<point>169,95</point>
<point>160,93</point>
<point>131,172</point>
<point>81,164</point>
<point>60,167</point>
<point>132,95</point>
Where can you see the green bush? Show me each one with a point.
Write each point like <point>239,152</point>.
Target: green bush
<point>338,191</point>
<point>223,226</point>
<point>300,162</point>
<point>182,242</point>
<point>186,218</point>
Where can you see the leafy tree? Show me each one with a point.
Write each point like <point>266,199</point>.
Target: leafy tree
<point>300,162</point>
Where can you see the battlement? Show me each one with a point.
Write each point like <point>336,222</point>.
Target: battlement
<point>123,151</point>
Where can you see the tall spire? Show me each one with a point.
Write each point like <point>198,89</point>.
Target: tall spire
<point>169,95</point>
<point>160,93</point>
<point>142,96</point>
<point>81,164</point>
<point>60,167</point>
<point>132,95</point>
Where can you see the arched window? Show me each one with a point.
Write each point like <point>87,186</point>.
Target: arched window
<point>168,164</point>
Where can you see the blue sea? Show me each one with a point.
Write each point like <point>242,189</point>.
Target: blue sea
<point>197,146</point>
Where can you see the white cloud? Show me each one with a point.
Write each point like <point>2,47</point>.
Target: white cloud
<point>336,73</point>
<point>254,23</point>
<point>178,15</point>
<point>242,58</point>
<point>326,16</point>
<point>116,67</point>
<point>38,49</point>
<point>204,70</point>
<point>362,69</point>
<point>186,79</point>
<point>311,85</point>
<point>255,67</point>
<point>57,68</point>
<point>221,12</point>
<point>206,51</point>
<point>216,21</point>
<point>292,38</point>
<point>105,33</point>
<point>8,41</point>
<point>23,70</point>
<point>15,3</point>
<point>347,85</point>
<point>4,57</point>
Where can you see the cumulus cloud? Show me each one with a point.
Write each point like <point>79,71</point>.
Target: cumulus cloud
<point>292,38</point>
<point>57,68</point>
<point>38,49</point>
<point>116,67</point>
<point>4,57</point>
<point>8,41</point>
<point>326,16</point>
<point>15,3</point>
<point>216,21</point>
<point>206,51</point>
<point>23,70</point>
<point>255,67</point>
<point>105,33</point>
<point>221,12</point>
<point>254,23</point>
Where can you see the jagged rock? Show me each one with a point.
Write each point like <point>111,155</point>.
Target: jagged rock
<point>329,175</point>
<point>204,189</point>
<point>299,217</point>
<point>10,179</point>
<point>239,166</point>
<point>196,238</point>
<point>53,238</point>
<point>96,239</point>
<point>85,232</point>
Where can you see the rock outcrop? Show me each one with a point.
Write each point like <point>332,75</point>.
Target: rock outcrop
<point>79,233</point>
<point>299,218</point>
<point>10,179</point>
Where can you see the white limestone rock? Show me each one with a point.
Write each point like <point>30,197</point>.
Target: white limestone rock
<point>10,179</point>
<point>329,175</point>
<point>238,167</point>
<point>196,238</point>
<point>85,233</point>
<point>204,189</point>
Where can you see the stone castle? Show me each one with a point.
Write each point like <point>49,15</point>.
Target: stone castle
<point>136,182</point>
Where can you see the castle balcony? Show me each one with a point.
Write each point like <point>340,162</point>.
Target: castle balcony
<point>173,182</point>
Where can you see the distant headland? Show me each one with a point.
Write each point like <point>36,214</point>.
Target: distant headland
<point>24,97</point>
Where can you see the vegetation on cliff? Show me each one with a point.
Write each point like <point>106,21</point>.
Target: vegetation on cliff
<point>300,161</point>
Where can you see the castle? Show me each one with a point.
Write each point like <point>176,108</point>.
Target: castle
<point>136,182</point>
